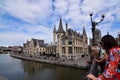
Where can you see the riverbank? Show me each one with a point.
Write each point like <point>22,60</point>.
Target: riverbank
<point>80,63</point>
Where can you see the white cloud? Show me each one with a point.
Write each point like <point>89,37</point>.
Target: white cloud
<point>12,38</point>
<point>19,37</point>
<point>40,16</point>
<point>31,12</point>
<point>61,7</point>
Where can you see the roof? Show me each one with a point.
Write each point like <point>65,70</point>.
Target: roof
<point>72,32</point>
<point>60,29</point>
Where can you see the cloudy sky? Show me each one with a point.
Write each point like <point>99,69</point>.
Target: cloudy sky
<point>21,20</point>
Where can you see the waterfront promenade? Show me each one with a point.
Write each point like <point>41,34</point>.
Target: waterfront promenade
<point>79,63</point>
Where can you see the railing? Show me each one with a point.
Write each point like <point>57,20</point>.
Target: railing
<point>93,69</point>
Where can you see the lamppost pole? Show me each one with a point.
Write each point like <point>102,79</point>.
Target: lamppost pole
<point>92,61</point>
<point>94,24</point>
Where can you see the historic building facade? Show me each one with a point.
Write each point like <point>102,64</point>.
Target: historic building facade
<point>66,44</point>
<point>51,49</point>
<point>35,47</point>
<point>70,44</point>
<point>97,37</point>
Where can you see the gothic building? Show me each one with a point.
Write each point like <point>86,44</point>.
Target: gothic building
<point>34,47</point>
<point>66,44</point>
<point>70,44</point>
<point>97,37</point>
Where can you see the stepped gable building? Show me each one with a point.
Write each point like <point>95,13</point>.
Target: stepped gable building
<point>34,47</point>
<point>70,44</point>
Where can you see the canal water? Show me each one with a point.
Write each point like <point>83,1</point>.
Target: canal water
<point>16,69</point>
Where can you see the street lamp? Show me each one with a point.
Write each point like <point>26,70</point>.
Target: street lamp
<point>94,24</point>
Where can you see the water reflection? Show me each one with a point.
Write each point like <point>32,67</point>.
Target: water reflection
<point>16,69</point>
<point>42,71</point>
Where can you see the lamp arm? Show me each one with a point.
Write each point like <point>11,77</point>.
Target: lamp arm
<point>100,21</point>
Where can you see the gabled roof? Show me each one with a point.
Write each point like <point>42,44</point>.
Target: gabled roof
<point>38,42</point>
<point>72,32</point>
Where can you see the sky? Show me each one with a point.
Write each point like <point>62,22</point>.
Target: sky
<point>21,20</point>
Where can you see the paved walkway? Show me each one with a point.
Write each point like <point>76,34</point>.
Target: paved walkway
<point>80,63</point>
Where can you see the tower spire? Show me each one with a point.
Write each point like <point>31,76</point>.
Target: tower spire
<point>84,32</point>
<point>66,29</point>
<point>107,32</point>
<point>54,31</point>
<point>66,26</point>
<point>60,29</point>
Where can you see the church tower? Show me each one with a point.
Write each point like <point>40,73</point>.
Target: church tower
<point>85,42</point>
<point>54,35</point>
<point>84,33</point>
<point>97,36</point>
<point>60,33</point>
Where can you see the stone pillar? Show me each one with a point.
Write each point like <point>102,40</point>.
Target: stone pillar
<point>57,49</point>
<point>60,45</point>
<point>73,52</point>
<point>60,49</point>
<point>73,49</point>
<point>66,47</point>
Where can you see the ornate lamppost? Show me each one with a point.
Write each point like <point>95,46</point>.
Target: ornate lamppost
<point>94,24</point>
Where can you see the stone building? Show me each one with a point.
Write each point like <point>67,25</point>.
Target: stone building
<point>50,49</point>
<point>35,47</point>
<point>66,44</point>
<point>16,49</point>
<point>97,37</point>
<point>70,44</point>
<point>5,49</point>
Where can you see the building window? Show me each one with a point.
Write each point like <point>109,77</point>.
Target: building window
<point>63,41</point>
<point>70,41</point>
<point>70,50</point>
<point>63,50</point>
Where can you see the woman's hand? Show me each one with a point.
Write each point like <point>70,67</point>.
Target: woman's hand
<point>91,77</point>
<point>98,60</point>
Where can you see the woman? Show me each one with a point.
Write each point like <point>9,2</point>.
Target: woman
<point>112,66</point>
